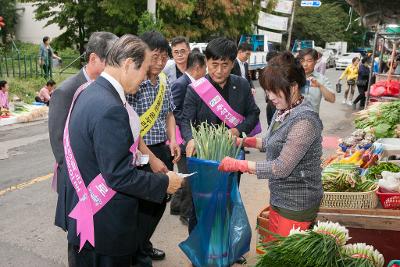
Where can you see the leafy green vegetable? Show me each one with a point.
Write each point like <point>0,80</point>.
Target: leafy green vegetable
<point>374,172</point>
<point>382,120</point>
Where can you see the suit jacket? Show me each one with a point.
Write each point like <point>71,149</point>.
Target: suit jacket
<point>58,111</point>
<point>170,71</point>
<point>240,100</point>
<point>236,71</point>
<point>178,89</point>
<point>101,136</point>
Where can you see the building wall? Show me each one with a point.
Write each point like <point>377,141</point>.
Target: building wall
<point>28,29</point>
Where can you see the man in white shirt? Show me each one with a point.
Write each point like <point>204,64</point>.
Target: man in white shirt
<point>241,67</point>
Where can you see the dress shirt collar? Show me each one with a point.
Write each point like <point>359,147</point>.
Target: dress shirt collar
<point>190,77</point>
<point>86,74</point>
<point>117,86</point>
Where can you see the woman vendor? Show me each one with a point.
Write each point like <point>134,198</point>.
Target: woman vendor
<point>293,149</point>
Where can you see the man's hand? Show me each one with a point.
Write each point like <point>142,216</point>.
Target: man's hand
<point>234,132</point>
<point>175,182</point>
<point>314,83</point>
<point>253,91</point>
<point>157,166</point>
<point>190,148</point>
<point>175,151</point>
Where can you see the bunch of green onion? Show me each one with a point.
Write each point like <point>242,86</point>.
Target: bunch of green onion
<point>214,142</point>
<point>362,255</point>
<point>323,246</point>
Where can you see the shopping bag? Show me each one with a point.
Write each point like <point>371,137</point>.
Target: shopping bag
<point>222,234</point>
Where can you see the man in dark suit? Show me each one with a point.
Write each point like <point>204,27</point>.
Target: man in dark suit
<point>220,54</point>
<point>241,67</point>
<point>97,47</point>
<point>100,133</point>
<point>181,202</point>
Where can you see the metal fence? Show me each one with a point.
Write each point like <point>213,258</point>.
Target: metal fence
<point>17,65</point>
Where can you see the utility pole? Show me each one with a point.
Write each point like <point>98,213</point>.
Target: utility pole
<point>291,26</point>
<point>151,7</point>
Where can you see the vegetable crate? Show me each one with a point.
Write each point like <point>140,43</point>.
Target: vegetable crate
<point>350,200</point>
<point>262,225</point>
<point>389,200</point>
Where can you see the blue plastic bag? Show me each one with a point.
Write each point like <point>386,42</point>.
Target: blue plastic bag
<point>222,234</point>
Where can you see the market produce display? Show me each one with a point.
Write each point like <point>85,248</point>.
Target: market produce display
<point>323,246</point>
<point>358,139</point>
<point>382,119</point>
<point>342,177</point>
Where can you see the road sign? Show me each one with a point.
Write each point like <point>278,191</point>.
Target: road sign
<point>311,3</point>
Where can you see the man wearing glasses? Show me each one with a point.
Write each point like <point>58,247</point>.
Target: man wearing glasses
<point>180,52</point>
<point>154,104</point>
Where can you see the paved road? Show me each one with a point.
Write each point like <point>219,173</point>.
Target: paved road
<point>27,234</point>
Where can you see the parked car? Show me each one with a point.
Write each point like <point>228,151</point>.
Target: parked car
<point>345,60</point>
<point>329,57</point>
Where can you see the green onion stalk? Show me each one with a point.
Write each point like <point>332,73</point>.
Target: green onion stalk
<point>319,247</point>
<point>361,255</point>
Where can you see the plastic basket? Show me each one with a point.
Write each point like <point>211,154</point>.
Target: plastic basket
<point>389,200</point>
<point>350,200</point>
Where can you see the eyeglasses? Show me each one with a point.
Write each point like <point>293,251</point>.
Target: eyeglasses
<point>157,57</point>
<point>180,52</point>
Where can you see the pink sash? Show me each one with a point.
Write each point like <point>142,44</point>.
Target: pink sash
<point>213,99</point>
<point>216,103</point>
<point>92,198</point>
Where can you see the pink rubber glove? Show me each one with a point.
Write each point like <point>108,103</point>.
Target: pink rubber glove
<point>233,165</point>
<point>247,142</point>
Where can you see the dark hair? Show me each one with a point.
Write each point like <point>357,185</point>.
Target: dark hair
<point>127,46</point>
<point>221,48</point>
<point>3,84</point>
<point>364,60</point>
<point>179,40</point>
<point>155,41</point>
<point>271,55</point>
<point>354,59</point>
<point>244,47</point>
<point>282,72</point>
<point>100,43</point>
<point>45,39</point>
<point>196,49</point>
<point>196,58</point>
<point>308,51</point>
<point>50,83</point>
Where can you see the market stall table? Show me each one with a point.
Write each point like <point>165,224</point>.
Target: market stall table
<point>377,227</point>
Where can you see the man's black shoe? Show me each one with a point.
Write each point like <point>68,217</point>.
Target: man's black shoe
<point>184,220</point>
<point>157,254</point>
<point>242,260</point>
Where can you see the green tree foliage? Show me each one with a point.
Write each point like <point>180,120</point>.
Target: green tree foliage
<point>327,23</point>
<point>202,20</point>
<point>9,13</point>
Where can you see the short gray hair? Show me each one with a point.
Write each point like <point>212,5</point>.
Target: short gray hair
<point>100,43</point>
<point>128,46</point>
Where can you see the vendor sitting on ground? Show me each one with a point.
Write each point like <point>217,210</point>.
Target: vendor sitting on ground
<point>4,95</point>
<point>46,92</point>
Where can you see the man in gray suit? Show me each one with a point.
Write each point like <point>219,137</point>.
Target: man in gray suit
<point>98,46</point>
<point>180,52</point>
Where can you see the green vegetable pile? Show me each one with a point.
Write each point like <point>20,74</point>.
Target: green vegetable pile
<point>382,120</point>
<point>214,142</point>
<point>323,246</point>
<point>20,108</point>
<point>374,172</point>
<point>343,177</point>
